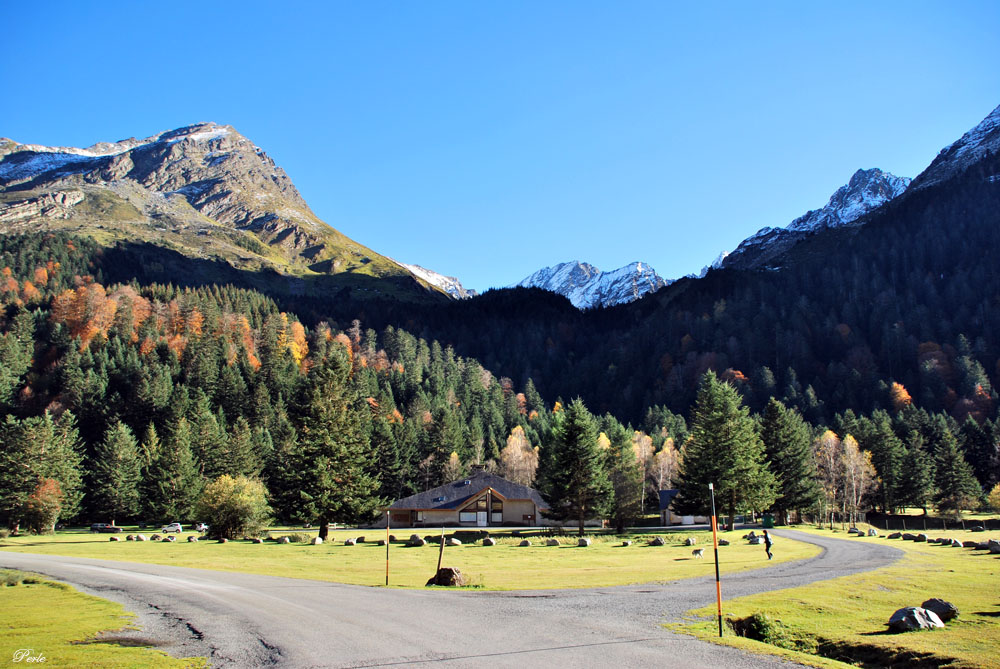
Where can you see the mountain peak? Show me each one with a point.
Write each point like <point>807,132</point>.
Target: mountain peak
<point>588,287</point>
<point>969,148</point>
<point>866,191</point>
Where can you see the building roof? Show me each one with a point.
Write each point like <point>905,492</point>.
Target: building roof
<point>454,495</point>
<point>666,497</point>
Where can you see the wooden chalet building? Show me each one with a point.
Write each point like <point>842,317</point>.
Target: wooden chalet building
<point>481,500</point>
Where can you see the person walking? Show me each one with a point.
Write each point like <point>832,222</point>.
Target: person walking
<point>767,545</point>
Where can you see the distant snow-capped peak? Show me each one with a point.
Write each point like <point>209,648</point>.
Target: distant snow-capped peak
<point>867,190</point>
<point>448,284</point>
<point>955,157</point>
<point>588,287</point>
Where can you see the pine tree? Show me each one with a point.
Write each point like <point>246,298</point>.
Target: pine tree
<point>724,449</point>
<point>571,472</point>
<point>331,464</point>
<point>115,474</point>
<point>176,482</point>
<point>788,451</point>
<point>887,456</point>
<point>918,474</point>
<point>956,484</point>
<point>625,475</point>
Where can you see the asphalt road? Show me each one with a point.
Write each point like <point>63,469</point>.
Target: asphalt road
<point>244,620</point>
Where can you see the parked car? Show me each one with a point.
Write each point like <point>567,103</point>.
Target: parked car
<point>201,527</point>
<point>172,527</point>
<point>107,528</point>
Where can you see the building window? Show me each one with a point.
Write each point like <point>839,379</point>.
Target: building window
<point>467,517</point>
<point>481,504</point>
<point>420,516</point>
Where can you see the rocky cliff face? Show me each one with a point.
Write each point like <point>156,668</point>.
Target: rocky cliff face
<point>970,148</point>
<point>867,190</point>
<point>205,188</point>
<point>588,287</point>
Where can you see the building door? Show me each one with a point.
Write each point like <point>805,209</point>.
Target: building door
<point>481,519</point>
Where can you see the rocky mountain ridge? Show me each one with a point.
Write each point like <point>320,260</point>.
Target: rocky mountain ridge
<point>204,189</point>
<point>587,287</point>
<point>866,191</point>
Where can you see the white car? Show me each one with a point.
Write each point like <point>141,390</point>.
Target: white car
<point>172,527</point>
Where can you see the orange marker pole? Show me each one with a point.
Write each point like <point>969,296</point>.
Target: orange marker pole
<point>715,544</point>
<point>387,547</point>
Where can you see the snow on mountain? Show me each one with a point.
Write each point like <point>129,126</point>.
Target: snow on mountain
<point>957,156</point>
<point>867,190</point>
<point>588,287</point>
<point>448,284</point>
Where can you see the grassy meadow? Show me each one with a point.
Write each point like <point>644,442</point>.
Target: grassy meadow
<point>841,622</point>
<point>505,566</point>
<point>42,619</point>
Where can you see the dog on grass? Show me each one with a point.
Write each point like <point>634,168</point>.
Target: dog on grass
<point>698,552</point>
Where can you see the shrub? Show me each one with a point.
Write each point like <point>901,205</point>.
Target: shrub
<point>299,538</point>
<point>761,627</point>
<point>994,498</point>
<point>235,507</point>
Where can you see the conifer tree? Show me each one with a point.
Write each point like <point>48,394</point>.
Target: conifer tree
<point>956,484</point>
<point>571,473</point>
<point>176,480</point>
<point>888,454</point>
<point>115,474</point>
<point>625,476</point>
<point>331,464</point>
<point>788,452</point>
<point>724,449</point>
<point>918,474</point>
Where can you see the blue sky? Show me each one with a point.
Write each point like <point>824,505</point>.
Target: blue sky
<point>486,140</point>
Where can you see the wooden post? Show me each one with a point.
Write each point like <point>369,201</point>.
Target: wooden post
<point>440,552</point>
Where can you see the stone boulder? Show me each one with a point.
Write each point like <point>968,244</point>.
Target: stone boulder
<point>316,541</point>
<point>392,538</point>
<point>913,618</point>
<point>525,542</point>
<point>349,542</point>
<point>690,541</point>
<point>414,537</point>
<point>141,537</point>
<point>447,576</point>
<point>656,541</point>
<point>955,543</point>
<point>750,535</point>
<point>257,540</point>
<point>855,530</point>
<point>756,541</point>
<point>284,540</point>
<point>130,537</point>
<point>157,537</point>
<point>872,532</point>
<point>223,540</point>
<point>551,542</point>
<point>994,546</point>
<point>909,537</point>
<point>584,541</point>
<point>452,541</point>
<point>970,544</point>
<point>192,539</point>
<point>945,610</point>
<point>416,541</point>
<point>723,542</point>
<point>894,535</point>
<point>977,528</point>
<point>489,541</point>
<point>114,538</point>
<point>170,539</point>
<point>920,537</point>
<point>626,543</point>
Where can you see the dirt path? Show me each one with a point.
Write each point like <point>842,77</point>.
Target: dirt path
<point>245,620</point>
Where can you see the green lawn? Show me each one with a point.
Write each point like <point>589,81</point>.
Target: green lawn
<point>505,566</point>
<point>845,618</point>
<point>41,619</point>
